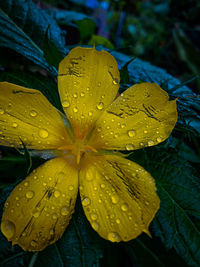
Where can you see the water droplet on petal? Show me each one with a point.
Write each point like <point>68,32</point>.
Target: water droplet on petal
<point>33,113</point>
<point>33,243</point>
<point>26,184</point>
<point>71,188</point>
<point>56,194</point>
<point>64,211</point>
<point>75,109</point>
<point>113,237</point>
<point>75,95</point>
<point>100,105</point>
<point>103,186</point>
<point>115,199</point>
<point>65,104</point>
<point>8,229</point>
<point>36,213</point>
<point>129,147</point>
<point>90,113</point>
<point>95,226</point>
<point>43,133</point>
<point>124,207</point>
<point>17,198</point>
<point>30,194</point>
<point>15,125</point>
<point>1,111</point>
<point>123,125</point>
<point>54,216</point>
<point>114,82</point>
<point>82,94</point>
<point>118,221</point>
<point>93,216</point>
<point>89,177</point>
<point>150,143</point>
<point>131,133</point>
<point>159,139</point>
<point>145,131</point>
<point>86,202</point>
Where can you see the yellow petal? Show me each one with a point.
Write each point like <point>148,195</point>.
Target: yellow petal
<point>88,82</point>
<point>38,210</point>
<point>118,196</point>
<point>26,115</point>
<point>142,116</point>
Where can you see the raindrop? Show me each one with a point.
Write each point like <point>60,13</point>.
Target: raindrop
<point>145,131</point>
<point>99,84</point>
<point>15,125</point>
<point>89,177</point>
<point>26,184</point>
<point>65,104</point>
<point>124,207</point>
<point>71,188</point>
<point>61,176</point>
<point>141,144</point>
<point>129,147</point>
<point>90,113</point>
<point>123,125</point>
<point>36,213</point>
<point>131,133</point>
<point>82,94</point>
<point>115,199</point>
<point>75,95</point>
<point>159,139</point>
<point>75,109</point>
<point>17,198</point>
<point>150,143</point>
<point>100,106</point>
<point>64,211</point>
<point>1,111</point>
<point>94,216</point>
<point>113,237</point>
<point>43,133</point>
<point>115,81</point>
<point>56,194</point>
<point>95,226</point>
<point>33,113</point>
<point>118,221</point>
<point>33,243</point>
<point>8,229</point>
<point>54,216</point>
<point>103,186</point>
<point>30,194</point>
<point>86,202</point>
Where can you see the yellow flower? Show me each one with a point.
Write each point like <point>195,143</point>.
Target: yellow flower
<point>118,196</point>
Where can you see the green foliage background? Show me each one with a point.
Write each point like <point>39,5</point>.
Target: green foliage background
<point>33,40</point>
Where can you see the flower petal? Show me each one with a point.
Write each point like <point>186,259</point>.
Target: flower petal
<point>38,210</point>
<point>141,116</point>
<point>118,196</point>
<point>26,115</point>
<point>88,82</point>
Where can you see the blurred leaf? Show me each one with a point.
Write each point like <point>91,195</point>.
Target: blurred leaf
<point>27,157</point>
<point>52,54</point>
<point>67,17</point>
<point>124,72</point>
<point>86,28</point>
<point>100,40</point>
<point>23,27</point>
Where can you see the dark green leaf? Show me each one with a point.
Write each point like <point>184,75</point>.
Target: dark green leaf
<point>22,32</point>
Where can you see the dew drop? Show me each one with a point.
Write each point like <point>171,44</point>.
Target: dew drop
<point>113,237</point>
<point>115,199</point>
<point>33,113</point>
<point>159,139</point>
<point>103,186</point>
<point>124,207</point>
<point>99,129</point>
<point>14,125</point>
<point>75,109</point>
<point>64,211</point>
<point>89,177</point>
<point>123,125</point>
<point>54,216</point>
<point>86,201</point>
<point>93,216</point>
<point>100,106</point>
<point>129,147</point>
<point>1,111</point>
<point>65,104</point>
<point>60,176</point>
<point>95,226</point>
<point>114,82</point>
<point>150,143</point>
<point>17,198</point>
<point>99,84</point>
<point>145,131</point>
<point>118,221</point>
<point>8,229</point>
<point>26,184</point>
<point>131,133</point>
<point>71,188</point>
<point>75,95</point>
<point>43,133</point>
<point>33,243</point>
<point>56,194</point>
<point>90,113</point>
<point>51,232</point>
<point>141,144</point>
<point>82,94</point>
<point>36,213</point>
<point>30,194</point>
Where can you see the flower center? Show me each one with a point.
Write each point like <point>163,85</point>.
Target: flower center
<point>78,148</point>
